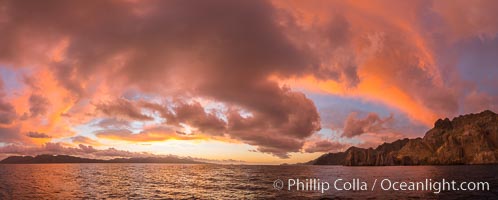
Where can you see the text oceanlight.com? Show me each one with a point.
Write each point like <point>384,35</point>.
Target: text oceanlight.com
<point>339,184</point>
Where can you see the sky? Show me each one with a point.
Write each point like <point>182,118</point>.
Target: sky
<point>248,81</point>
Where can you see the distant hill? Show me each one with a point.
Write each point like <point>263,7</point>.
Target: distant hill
<point>467,139</point>
<point>73,159</point>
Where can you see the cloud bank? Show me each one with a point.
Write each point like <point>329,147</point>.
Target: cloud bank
<point>146,71</point>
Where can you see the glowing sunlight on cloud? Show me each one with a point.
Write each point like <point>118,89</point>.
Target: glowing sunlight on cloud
<point>258,81</point>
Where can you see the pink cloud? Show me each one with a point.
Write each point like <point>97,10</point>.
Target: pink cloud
<point>79,66</point>
<point>354,126</point>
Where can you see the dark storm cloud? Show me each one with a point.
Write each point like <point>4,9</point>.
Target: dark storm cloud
<point>239,38</point>
<point>278,129</point>
<point>295,116</point>
<point>195,115</point>
<point>227,49</point>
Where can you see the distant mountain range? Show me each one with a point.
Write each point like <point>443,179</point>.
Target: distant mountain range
<point>73,159</point>
<point>467,139</point>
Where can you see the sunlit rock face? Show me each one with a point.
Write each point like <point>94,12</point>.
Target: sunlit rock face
<point>467,139</point>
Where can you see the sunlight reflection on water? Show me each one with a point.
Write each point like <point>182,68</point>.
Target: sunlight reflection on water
<point>183,181</point>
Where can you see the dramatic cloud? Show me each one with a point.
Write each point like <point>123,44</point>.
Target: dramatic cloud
<point>279,132</point>
<point>139,71</point>
<point>34,134</point>
<point>371,123</point>
<point>195,115</point>
<point>404,53</point>
<point>123,108</point>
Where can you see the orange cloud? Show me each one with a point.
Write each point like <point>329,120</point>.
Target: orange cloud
<point>156,134</point>
<point>249,58</point>
<point>372,89</point>
<point>392,53</point>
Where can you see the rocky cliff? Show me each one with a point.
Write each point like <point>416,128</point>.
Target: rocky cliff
<point>467,139</point>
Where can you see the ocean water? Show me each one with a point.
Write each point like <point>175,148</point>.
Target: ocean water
<point>199,181</point>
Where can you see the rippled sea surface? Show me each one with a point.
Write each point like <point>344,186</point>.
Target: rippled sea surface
<point>181,181</point>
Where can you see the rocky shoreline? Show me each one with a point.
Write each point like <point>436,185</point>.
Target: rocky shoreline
<point>467,139</point>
